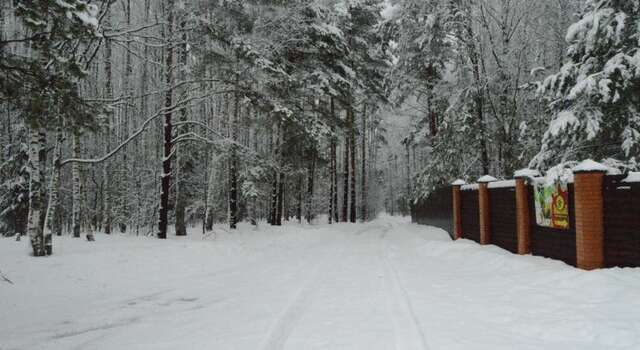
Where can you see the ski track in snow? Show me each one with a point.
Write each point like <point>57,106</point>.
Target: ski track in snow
<point>408,334</point>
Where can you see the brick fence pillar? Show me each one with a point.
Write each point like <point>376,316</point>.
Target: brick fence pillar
<point>457,208</point>
<point>523,219</point>
<point>589,212</point>
<point>485,209</point>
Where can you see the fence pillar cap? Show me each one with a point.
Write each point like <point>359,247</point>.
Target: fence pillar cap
<point>526,173</point>
<point>590,166</point>
<point>487,179</point>
<point>459,182</point>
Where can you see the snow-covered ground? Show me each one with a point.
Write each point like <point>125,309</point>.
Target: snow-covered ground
<point>383,285</point>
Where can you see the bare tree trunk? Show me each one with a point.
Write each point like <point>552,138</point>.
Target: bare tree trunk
<point>363,183</point>
<point>273,217</point>
<point>333,177</point>
<point>310,184</point>
<point>275,190</point>
<point>182,151</point>
<point>125,176</point>
<point>334,171</point>
<point>106,176</point>
<point>408,170</point>
<point>345,175</point>
<point>284,193</point>
<point>332,180</point>
<point>140,145</point>
<point>233,164</point>
<point>391,176</point>
<point>299,204</point>
<point>352,156</point>
<point>49,225</point>
<point>211,191</point>
<point>53,213</point>
<point>181,228</point>
<point>35,223</point>
<point>163,221</point>
<point>331,189</point>
<point>281,176</point>
<point>75,193</point>
<point>280,201</point>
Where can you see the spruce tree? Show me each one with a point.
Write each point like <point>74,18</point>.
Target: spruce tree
<point>594,96</point>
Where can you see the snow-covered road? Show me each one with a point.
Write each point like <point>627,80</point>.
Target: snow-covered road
<point>382,285</point>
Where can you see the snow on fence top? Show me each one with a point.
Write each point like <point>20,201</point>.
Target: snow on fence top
<point>502,184</point>
<point>487,178</point>
<point>590,166</point>
<point>527,173</point>
<point>493,184</point>
<point>541,180</point>
<point>632,177</point>
<point>458,183</point>
<point>470,187</point>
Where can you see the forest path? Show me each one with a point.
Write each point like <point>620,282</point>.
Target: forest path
<point>387,284</point>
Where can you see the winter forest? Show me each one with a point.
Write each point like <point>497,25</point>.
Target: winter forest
<point>141,116</point>
<point>319,174</point>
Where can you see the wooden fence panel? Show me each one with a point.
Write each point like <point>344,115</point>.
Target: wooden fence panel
<point>622,223</point>
<point>503,218</point>
<point>550,242</point>
<point>470,215</point>
<point>435,210</point>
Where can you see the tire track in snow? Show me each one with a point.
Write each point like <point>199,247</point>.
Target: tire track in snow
<point>408,334</point>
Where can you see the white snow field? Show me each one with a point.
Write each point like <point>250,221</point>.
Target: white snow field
<point>387,284</point>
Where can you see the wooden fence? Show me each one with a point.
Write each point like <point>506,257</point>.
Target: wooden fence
<point>435,210</point>
<point>604,222</point>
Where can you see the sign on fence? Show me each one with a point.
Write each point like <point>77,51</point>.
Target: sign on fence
<point>552,205</point>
